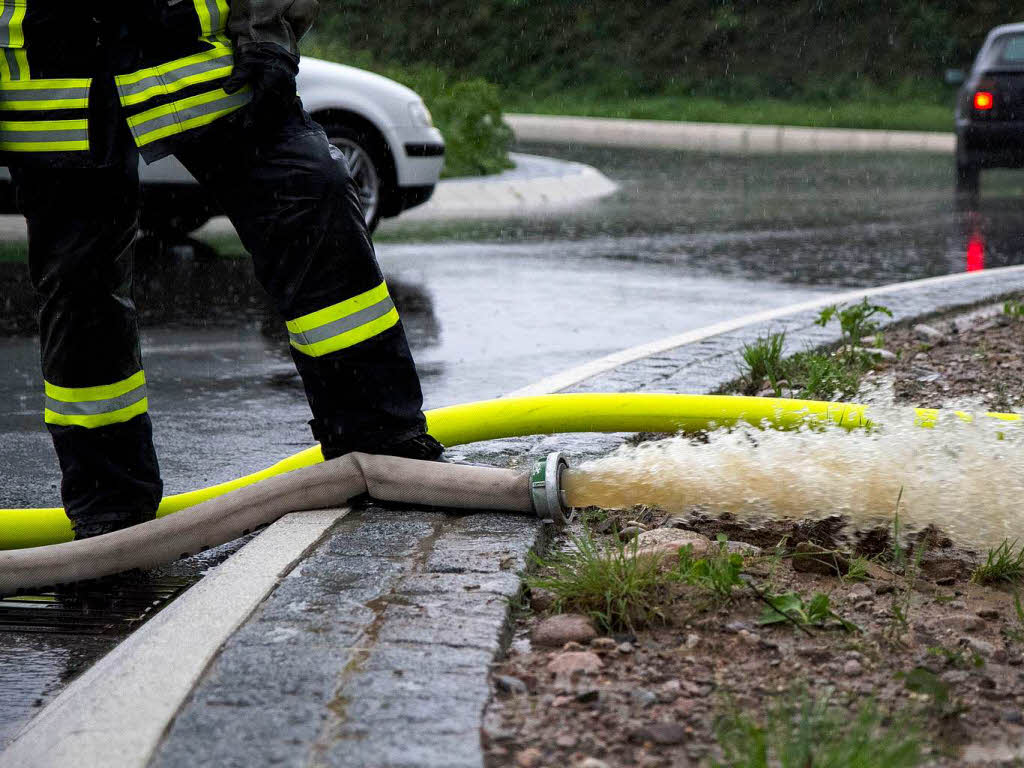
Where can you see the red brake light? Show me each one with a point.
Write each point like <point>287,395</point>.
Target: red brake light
<point>983,100</point>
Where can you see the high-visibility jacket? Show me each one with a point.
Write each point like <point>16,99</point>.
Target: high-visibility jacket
<point>67,64</point>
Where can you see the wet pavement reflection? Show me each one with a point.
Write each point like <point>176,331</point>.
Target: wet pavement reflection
<point>489,306</point>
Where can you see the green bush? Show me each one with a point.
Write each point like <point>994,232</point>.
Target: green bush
<point>467,111</point>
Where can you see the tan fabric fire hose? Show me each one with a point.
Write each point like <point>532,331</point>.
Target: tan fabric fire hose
<point>321,486</point>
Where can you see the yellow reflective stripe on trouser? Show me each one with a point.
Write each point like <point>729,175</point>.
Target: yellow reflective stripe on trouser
<point>174,76</point>
<point>96,406</point>
<point>44,135</point>
<point>185,114</point>
<point>344,324</point>
<point>12,17</point>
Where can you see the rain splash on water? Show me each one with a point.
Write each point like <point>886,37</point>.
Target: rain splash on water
<point>965,478</point>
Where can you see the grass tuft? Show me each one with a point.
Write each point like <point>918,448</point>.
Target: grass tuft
<point>763,359</point>
<point>619,590</point>
<point>1004,564</point>
<point>798,731</point>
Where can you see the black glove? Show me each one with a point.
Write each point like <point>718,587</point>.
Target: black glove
<point>270,70</point>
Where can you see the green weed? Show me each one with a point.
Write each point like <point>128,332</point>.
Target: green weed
<point>909,567</point>
<point>606,581</point>
<point>957,657</point>
<point>1014,309</point>
<point>790,606</point>
<point>858,570</point>
<point>855,321</point>
<point>1005,563</point>
<point>763,360</point>
<point>798,731</point>
<point>717,574</point>
<point>619,590</point>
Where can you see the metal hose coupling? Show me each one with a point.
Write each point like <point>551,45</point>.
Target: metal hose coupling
<point>549,500</point>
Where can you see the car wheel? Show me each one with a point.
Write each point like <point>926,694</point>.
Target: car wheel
<point>366,164</point>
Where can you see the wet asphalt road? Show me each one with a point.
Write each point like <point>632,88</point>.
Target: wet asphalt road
<point>491,306</point>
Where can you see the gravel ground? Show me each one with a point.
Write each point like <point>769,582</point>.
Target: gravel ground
<point>977,357</point>
<point>927,641</point>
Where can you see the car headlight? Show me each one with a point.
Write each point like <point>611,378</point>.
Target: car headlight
<point>420,114</point>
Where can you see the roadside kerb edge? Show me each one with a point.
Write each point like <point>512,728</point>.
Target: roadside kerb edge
<point>720,137</point>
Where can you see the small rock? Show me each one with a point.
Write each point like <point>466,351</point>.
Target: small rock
<point>981,647</point>
<point>574,663</point>
<point>630,533</point>
<point>885,589</point>
<point>642,697</point>
<point>767,392</point>
<point>625,648</point>
<point>528,758</point>
<point>929,334</point>
<point>510,684</point>
<point>748,637</point>
<point>809,558</point>
<point>852,668</point>
<point>661,733</point>
<point>566,740</point>
<point>692,640</point>
<point>592,762</point>
<point>957,605</point>
<point>860,592</point>
<point>742,548</point>
<point>541,599</point>
<point>665,543</point>
<point>989,613</point>
<point>1013,716</point>
<point>556,631</point>
<point>572,645</point>
<point>677,522</point>
<point>603,644</point>
<point>671,688</point>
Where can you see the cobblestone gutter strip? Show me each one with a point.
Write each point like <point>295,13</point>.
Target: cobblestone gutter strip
<point>374,652</point>
<point>721,137</point>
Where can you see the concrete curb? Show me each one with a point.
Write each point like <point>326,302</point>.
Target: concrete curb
<point>536,185</point>
<point>115,714</point>
<point>720,137</point>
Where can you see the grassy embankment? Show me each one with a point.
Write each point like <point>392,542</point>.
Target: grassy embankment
<point>848,63</point>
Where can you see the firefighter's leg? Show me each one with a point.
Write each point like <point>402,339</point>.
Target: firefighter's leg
<point>292,200</point>
<point>81,226</point>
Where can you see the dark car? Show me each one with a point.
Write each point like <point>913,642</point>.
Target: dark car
<point>990,108</point>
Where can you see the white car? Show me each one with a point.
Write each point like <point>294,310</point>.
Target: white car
<point>384,129</point>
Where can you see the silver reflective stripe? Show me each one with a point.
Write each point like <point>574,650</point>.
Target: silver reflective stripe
<point>215,21</point>
<point>179,116</point>
<point>97,407</point>
<point>12,64</point>
<point>225,59</point>
<point>338,327</point>
<point>43,94</point>
<point>73,134</point>
<point>5,22</point>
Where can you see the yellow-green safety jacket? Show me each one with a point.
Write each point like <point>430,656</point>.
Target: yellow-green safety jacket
<point>71,69</point>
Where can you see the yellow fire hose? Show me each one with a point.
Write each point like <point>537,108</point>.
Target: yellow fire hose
<point>512,417</point>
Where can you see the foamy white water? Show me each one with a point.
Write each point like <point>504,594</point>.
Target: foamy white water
<point>965,478</point>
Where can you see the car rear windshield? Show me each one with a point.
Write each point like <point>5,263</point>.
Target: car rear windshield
<point>1010,49</point>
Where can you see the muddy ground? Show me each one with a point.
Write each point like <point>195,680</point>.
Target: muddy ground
<point>942,656</point>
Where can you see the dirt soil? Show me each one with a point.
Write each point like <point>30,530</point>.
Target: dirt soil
<point>980,357</point>
<point>654,698</point>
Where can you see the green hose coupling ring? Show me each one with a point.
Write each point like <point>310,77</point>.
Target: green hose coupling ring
<point>549,501</point>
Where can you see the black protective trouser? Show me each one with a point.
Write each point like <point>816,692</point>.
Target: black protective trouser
<point>291,198</point>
